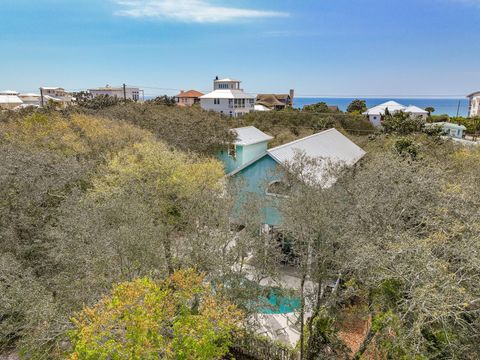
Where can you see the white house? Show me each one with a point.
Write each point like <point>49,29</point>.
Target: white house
<point>57,95</point>
<point>377,113</point>
<point>130,93</point>
<point>474,104</point>
<point>228,98</point>
<point>9,100</point>
<point>30,99</point>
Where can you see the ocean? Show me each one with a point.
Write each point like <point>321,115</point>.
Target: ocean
<point>442,106</point>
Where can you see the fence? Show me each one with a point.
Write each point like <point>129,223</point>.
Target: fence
<point>252,346</point>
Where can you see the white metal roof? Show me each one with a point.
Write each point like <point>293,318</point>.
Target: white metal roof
<point>10,99</point>
<point>8,92</point>
<point>250,135</point>
<point>330,144</point>
<point>52,88</point>
<point>227,80</point>
<point>446,124</point>
<point>392,106</point>
<point>28,95</point>
<point>228,94</point>
<point>412,109</point>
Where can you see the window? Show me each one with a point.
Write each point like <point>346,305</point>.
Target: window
<point>232,149</point>
<point>278,188</point>
<point>216,101</point>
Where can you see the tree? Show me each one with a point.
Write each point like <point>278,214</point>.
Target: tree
<point>357,106</point>
<point>98,102</point>
<point>430,110</point>
<point>401,123</point>
<point>309,224</point>
<point>320,107</point>
<point>408,234</point>
<point>178,318</point>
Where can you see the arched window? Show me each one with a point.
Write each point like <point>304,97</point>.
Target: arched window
<point>278,188</point>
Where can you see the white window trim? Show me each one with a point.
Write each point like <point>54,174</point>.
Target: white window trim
<point>275,195</point>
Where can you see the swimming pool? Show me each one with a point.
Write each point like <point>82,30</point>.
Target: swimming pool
<point>279,304</point>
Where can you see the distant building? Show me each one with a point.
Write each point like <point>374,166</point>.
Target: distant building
<point>129,93</point>
<point>265,102</point>
<point>449,129</point>
<point>228,98</point>
<point>9,100</point>
<point>474,104</point>
<point>56,95</point>
<point>30,99</point>
<point>188,98</point>
<point>377,113</point>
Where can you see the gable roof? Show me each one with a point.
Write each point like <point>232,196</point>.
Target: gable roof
<point>271,100</point>
<point>189,94</point>
<point>392,107</point>
<point>10,99</point>
<point>330,145</point>
<point>473,94</point>
<point>415,110</point>
<point>250,135</point>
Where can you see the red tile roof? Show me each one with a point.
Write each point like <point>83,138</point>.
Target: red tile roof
<point>189,94</point>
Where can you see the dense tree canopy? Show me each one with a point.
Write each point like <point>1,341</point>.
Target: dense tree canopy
<point>178,318</point>
<point>92,198</point>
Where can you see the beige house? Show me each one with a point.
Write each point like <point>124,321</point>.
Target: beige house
<point>265,102</point>
<point>474,104</point>
<point>120,92</point>
<point>188,98</point>
<point>56,95</point>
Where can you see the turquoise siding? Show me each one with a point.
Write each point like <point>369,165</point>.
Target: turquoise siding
<point>254,180</point>
<point>453,131</point>
<point>244,154</point>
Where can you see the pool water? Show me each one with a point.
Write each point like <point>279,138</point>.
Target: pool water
<point>276,304</point>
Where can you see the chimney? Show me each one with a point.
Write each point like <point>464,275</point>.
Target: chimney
<point>292,95</point>
<point>216,77</point>
<point>181,91</point>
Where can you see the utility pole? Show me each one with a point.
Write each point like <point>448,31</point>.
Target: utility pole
<point>41,96</point>
<point>458,108</point>
<point>124,93</point>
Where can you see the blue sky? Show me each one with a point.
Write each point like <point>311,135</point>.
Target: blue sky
<point>318,47</point>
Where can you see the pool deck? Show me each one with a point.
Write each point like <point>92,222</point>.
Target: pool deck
<point>283,328</point>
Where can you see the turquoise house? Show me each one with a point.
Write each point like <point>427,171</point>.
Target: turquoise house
<point>250,143</point>
<point>450,129</point>
<point>261,173</point>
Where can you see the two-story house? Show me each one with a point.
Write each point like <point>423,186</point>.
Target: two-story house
<point>56,95</point>
<point>120,92</point>
<point>474,104</point>
<point>261,171</point>
<point>228,98</point>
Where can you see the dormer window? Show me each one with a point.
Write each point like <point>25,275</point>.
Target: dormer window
<point>278,188</point>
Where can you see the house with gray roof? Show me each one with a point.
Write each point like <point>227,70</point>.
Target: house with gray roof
<point>263,172</point>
